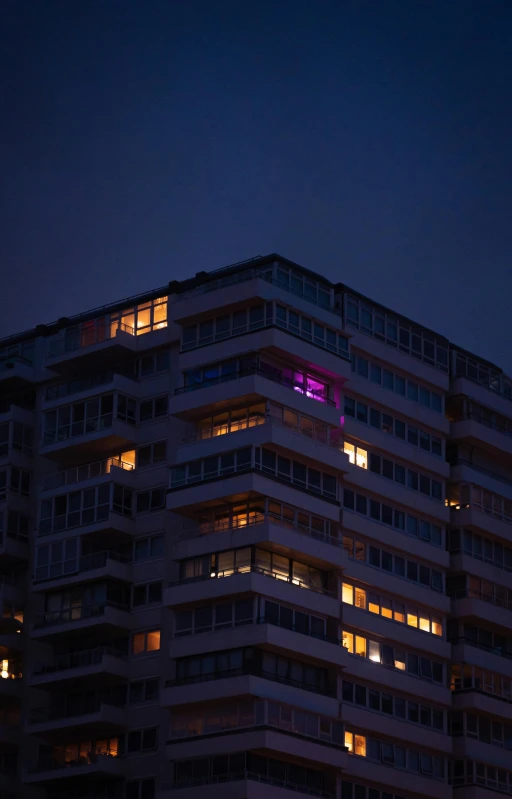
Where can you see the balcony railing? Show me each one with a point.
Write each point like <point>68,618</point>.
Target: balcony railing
<point>79,660</point>
<point>14,536</point>
<point>261,274</point>
<point>254,714</point>
<point>7,363</point>
<point>92,424</point>
<point>474,416</point>
<point>321,436</point>
<point>493,650</point>
<point>471,593</point>
<point>78,613</point>
<point>40,715</point>
<point>256,370</point>
<point>194,782</point>
<point>253,671</point>
<point>255,570</point>
<point>86,338</point>
<point>49,762</point>
<point>260,518</point>
<point>79,474</point>
<point>98,560</point>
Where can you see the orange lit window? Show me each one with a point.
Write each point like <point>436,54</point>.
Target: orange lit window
<point>437,625</point>
<point>386,609</point>
<point>399,613</point>
<point>360,745</point>
<point>373,603</point>
<point>400,660</point>
<point>153,641</point>
<point>350,450</point>
<point>360,646</point>
<point>362,458</point>
<point>348,641</point>
<point>349,740</point>
<point>146,642</point>
<point>360,598</point>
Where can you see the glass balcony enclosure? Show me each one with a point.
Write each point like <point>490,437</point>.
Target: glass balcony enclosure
<point>136,321</point>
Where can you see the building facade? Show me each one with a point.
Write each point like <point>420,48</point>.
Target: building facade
<point>255,540</point>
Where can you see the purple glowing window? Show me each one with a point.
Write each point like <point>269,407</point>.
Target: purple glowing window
<point>310,386</point>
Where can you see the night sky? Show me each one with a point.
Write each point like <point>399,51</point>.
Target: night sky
<point>369,141</point>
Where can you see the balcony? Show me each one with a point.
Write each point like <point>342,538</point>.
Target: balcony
<point>254,384</point>
<point>478,430</point>
<point>247,681</point>
<point>95,521</point>
<point>16,372</point>
<point>104,434</point>
<point>471,603</point>
<point>115,468</point>
<point>322,548</point>
<point>104,664</point>
<point>97,717</point>
<point>13,547</point>
<point>253,580</point>
<point>240,785</point>
<point>271,282</point>
<point>474,507</point>
<point>310,444</point>
<point>92,567</point>
<point>269,727</point>
<point>108,617</point>
<point>266,632</point>
<point>492,658</point>
<point>50,768</point>
<point>11,685</point>
<point>96,347</point>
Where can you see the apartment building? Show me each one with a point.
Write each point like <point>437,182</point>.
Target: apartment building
<point>255,540</point>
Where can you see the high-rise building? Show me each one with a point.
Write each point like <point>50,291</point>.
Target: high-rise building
<point>255,541</point>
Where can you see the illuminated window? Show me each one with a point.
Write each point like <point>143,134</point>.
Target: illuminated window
<point>350,450</point>
<point>373,603</point>
<point>412,618</point>
<point>437,625</point>
<point>424,623</point>
<point>360,646</point>
<point>399,660</point>
<point>142,319</point>
<point>374,651</point>
<point>349,741</point>
<point>347,594</point>
<point>386,609</point>
<point>146,642</point>
<point>399,613</point>
<point>348,641</point>
<point>360,745</point>
<point>360,598</point>
<point>362,458</point>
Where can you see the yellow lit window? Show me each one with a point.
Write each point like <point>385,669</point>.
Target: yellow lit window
<point>412,618</point>
<point>437,625</point>
<point>362,458</point>
<point>350,450</point>
<point>360,646</point>
<point>347,594</point>
<point>348,641</point>
<point>129,457</point>
<point>374,651</point>
<point>160,312</point>
<point>360,745</point>
<point>360,598</point>
<point>349,741</point>
<point>386,609</point>
<point>4,674</point>
<point>424,623</point>
<point>373,603</point>
<point>399,613</point>
<point>399,660</point>
<point>143,317</point>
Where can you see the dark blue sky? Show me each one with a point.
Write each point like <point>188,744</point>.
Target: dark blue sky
<point>369,141</point>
